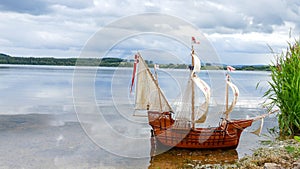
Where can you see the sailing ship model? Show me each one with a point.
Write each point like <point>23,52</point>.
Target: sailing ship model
<point>178,128</point>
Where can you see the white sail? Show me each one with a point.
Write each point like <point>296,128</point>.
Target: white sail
<point>197,63</point>
<point>184,105</point>
<point>201,111</point>
<point>258,130</point>
<point>235,91</point>
<point>148,93</point>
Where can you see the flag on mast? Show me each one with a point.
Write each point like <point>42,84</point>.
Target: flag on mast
<point>194,40</point>
<point>136,61</point>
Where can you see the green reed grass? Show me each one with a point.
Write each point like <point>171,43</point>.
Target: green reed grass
<point>284,91</point>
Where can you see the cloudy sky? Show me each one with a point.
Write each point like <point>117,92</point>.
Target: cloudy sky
<point>240,32</point>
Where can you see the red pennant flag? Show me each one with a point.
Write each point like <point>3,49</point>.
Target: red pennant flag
<point>136,61</point>
<point>194,40</point>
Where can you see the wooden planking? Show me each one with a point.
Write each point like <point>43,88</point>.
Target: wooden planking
<point>199,138</point>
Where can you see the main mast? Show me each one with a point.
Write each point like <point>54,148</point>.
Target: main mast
<point>193,90</point>
<point>226,97</point>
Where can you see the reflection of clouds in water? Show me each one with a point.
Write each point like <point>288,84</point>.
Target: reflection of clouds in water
<point>249,102</point>
<point>29,141</point>
<point>57,123</point>
<point>59,139</point>
<point>39,108</point>
<point>114,134</point>
<point>35,89</point>
<point>50,93</point>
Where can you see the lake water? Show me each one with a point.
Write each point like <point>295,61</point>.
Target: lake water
<point>67,117</point>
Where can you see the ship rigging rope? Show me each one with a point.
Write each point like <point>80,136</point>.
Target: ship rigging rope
<point>235,125</point>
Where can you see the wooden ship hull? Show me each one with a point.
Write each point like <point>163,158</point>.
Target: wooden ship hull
<point>167,132</point>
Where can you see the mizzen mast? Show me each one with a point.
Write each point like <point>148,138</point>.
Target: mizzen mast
<point>156,78</point>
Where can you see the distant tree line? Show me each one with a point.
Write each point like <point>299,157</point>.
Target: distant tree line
<point>6,59</point>
<point>111,62</point>
<point>254,67</point>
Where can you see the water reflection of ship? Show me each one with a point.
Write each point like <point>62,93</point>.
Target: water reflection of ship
<point>166,157</point>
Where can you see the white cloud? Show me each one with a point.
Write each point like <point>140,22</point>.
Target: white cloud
<point>61,28</point>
